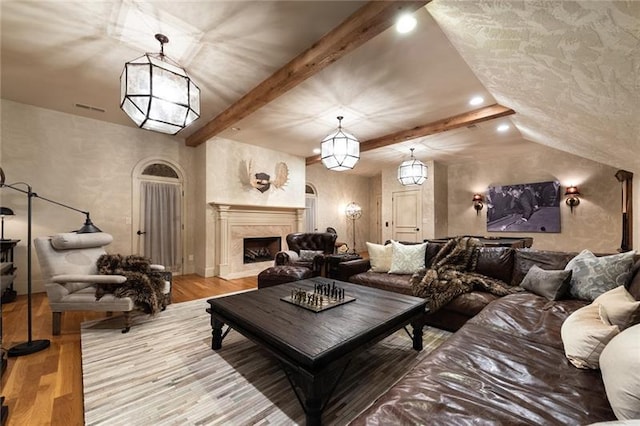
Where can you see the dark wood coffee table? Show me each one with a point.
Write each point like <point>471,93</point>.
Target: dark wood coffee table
<point>315,349</point>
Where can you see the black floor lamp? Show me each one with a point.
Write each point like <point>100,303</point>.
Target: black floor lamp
<point>32,346</point>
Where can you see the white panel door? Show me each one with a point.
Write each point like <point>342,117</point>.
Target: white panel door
<point>407,214</point>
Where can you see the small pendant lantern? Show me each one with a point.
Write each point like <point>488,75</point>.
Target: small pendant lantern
<point>340,150</point>
<point>412,171</point>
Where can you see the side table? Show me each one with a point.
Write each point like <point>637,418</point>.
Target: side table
<point>333,260</point>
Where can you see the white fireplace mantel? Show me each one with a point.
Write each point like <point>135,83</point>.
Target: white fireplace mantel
<point>236,222</point>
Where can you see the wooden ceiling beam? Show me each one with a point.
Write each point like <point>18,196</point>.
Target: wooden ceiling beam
<point>367,22</point>
<point>461,120</point>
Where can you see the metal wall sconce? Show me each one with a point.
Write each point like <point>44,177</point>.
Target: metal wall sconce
<point>572,194</point>
<point>477,203</point>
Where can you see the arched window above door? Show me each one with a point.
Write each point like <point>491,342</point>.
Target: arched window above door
<point>160,170</point>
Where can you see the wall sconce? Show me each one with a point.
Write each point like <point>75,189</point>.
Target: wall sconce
<point>572,200</point>
<point>477,203</point>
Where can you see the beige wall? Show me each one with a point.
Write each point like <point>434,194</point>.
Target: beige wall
<point>595,223</point>
<point>84,163</point>
<point>335,191</point>
<point>227,175</point>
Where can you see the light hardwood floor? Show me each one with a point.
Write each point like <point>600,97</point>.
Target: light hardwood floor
<point>45,388</point>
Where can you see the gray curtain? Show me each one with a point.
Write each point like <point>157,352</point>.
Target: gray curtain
<point>162,213</point>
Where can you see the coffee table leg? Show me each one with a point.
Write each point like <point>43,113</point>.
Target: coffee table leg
<point>313,410</point>
<point>216,339</point>
<point>417,334</point>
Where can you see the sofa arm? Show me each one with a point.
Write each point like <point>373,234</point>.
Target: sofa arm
<point>352,267</point>
<point>286,257</point>
<point>92,279</point>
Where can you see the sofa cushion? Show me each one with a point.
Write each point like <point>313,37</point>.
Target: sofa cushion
<point>470,304</point>
<point>549,260</point>
<point>550,284</point>
<point>398,283</point>
<point>620,365</point>
<point>634,282</point>
<point>529,315</point>
<point>619,308</point>
<point>309,255</point>
<point>496,262</point>
<point>380,256</point>
<point>407,259</point>
<point>594,275</point>
<point>585,335</point>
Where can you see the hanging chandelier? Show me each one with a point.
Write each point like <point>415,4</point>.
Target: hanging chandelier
<point>412,171</point>
<point>340,150</point>
<point>157,94</point>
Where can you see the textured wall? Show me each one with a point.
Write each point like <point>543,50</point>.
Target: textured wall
<point>335,191</point>
<point>81,162</point>
<point>595,223</point>
<point>227,176</point>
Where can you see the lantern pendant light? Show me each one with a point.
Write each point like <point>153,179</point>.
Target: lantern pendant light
<point>412,171</point>
<point>340,150</point>
<point>157,94</point>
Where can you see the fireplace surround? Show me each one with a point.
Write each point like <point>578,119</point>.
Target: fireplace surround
<point>235,223</point>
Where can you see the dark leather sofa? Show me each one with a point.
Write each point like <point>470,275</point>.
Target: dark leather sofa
<point>496,262</point>
<point>505,366</point>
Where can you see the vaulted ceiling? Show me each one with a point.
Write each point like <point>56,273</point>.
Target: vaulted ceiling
<point>569,70</point>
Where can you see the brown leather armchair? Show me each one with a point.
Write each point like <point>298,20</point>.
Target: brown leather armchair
<point>307,249</point>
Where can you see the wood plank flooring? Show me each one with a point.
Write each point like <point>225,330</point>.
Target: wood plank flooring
<point>45,388</point>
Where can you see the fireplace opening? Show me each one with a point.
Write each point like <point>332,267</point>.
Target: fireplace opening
<point>260,249</point>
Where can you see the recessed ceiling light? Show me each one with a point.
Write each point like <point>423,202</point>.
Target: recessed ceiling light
<point>503,127</point>
<point>316,150</point>
<point>235,129</point>
<point>476,100</point>
<point>405,23</point>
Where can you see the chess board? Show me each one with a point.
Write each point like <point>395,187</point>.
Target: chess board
<point>324,296</point>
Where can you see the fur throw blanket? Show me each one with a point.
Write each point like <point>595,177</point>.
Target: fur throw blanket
<point>142,285</point>
<point>452,274</point>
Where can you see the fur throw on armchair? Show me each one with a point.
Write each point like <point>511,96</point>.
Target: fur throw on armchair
<point>451,274</point>
<point>142,285</point>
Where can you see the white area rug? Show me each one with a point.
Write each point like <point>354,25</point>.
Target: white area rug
<point>163,372</point>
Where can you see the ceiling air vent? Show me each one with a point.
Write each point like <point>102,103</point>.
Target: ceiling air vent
<point>90,108</point>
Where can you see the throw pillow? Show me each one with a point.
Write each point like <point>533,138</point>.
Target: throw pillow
<point>592,276</point>
<point>550,284</point>
<point>379,257</point>
<point>619,307</point>
<point>308,255</point>
<point>407,259</point>
<point>584,336</point>
<point>620,366</point>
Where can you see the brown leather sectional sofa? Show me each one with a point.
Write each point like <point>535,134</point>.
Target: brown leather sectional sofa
<point>505,364</point>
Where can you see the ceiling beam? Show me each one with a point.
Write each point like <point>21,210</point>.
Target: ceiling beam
<point>461,120</point>
<point>367,22</point>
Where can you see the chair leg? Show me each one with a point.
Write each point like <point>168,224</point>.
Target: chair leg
<point>127,322</point>
<point>56,323</point>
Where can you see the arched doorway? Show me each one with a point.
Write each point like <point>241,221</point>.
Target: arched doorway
<point>158,212</point>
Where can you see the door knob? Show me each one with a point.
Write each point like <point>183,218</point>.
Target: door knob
<point>140,232</point>
<point>417,229</point>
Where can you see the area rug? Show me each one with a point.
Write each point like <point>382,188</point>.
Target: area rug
<point>163,372</point>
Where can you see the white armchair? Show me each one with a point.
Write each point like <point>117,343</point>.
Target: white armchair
<point>68,266</point>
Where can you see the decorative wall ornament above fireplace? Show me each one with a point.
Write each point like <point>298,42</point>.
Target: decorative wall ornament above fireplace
<point>263,181</point>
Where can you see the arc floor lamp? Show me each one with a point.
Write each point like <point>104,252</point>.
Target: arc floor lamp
<point>32,346</point>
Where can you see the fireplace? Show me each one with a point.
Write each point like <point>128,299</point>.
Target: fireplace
<point>260,249</point>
